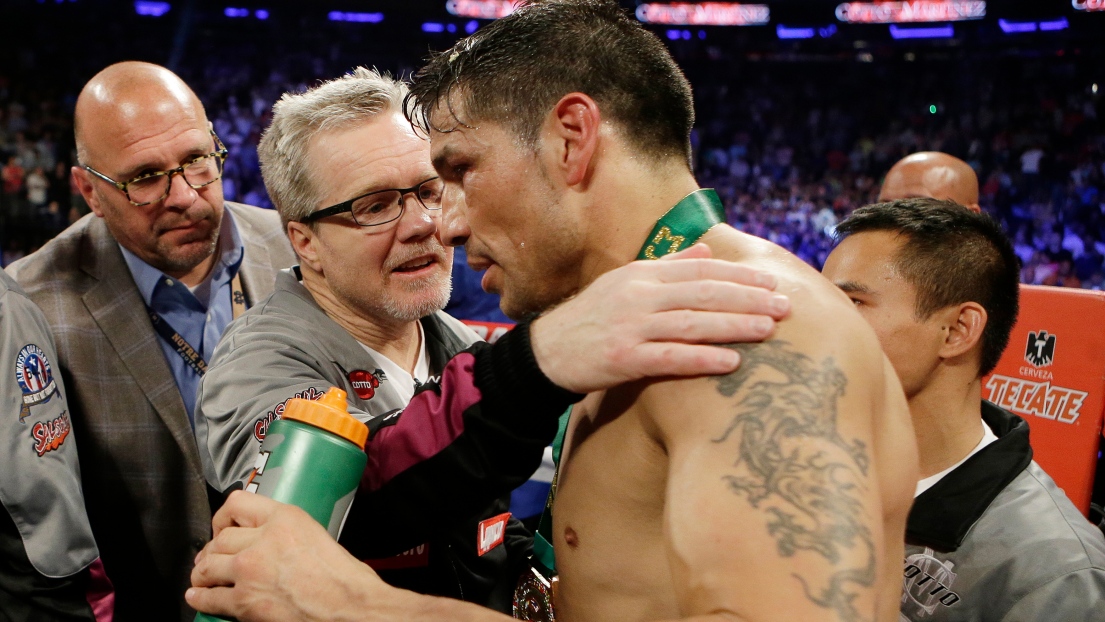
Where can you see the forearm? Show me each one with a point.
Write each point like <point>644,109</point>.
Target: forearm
<point>489,399</point>
<point>411,607</point>
<point>458,445</point>
<point>716,617</point>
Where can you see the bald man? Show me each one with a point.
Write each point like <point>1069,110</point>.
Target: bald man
<point>934,175</point>
<point>163,249</point>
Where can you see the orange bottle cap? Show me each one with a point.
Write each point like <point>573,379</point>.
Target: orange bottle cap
<point>330,413</point>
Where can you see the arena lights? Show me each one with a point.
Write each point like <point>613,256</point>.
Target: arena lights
<point>364,18</point>
<point>436,27</point>
<point>704,14</point>
<point>907,12</point>
<point>1011,28</point>
<point>676,35</point>
<point>151,9</point>
<point>794,33</point>
<point>937,32</point>
<point>482,9</point>
<point>236,12</point>
<point>1088,5</point>
<point>787,32</point>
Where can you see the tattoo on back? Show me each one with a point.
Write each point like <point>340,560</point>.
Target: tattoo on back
<point>793,463</point>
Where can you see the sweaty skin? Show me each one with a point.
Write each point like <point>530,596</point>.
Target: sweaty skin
<point>932,174</point>
<point>679,498</point>
<point>778,492</point>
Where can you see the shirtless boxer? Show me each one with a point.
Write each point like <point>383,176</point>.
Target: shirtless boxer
<point>779,492</point>
<point>932,175</point>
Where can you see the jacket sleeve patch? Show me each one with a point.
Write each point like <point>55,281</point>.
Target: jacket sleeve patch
<point>261,426</point>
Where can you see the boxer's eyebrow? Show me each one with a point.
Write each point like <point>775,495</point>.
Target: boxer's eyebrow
<point>442,156</point>
<point>851,287</point>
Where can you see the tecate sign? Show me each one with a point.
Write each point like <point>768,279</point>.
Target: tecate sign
<point>704,14</point>
<point>907,12</point>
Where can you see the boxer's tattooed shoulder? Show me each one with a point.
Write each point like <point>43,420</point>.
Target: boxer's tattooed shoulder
<point>792,463</point>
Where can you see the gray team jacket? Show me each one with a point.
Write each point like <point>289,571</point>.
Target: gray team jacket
<point>440,469</point>
<point>287,347</point>
<point>997,541</point>
<point>46,543</point>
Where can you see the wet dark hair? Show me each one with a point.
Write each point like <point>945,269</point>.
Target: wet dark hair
<point>515,70</point>
<point>951,255</point>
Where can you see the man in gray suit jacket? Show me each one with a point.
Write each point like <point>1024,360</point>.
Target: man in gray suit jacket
<point>162,242</point>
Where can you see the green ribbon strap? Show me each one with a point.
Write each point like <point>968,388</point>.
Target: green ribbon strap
<point>542,540</point>
<point>684,224</point>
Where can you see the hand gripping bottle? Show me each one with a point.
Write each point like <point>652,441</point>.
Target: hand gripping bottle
<point>312,457</point>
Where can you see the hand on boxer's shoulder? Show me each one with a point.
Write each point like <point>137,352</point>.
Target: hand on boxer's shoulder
<point>272,561</point>
<point>649,318</point>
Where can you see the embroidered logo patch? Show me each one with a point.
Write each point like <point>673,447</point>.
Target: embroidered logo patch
<point>927,584</point>
<point>36,380</point>
<point>49,435</point>
<point>491,533</point>
<point>261,426</point>
<point>365,382</point>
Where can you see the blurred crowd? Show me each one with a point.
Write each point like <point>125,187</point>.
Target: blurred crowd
<point>792,147</point>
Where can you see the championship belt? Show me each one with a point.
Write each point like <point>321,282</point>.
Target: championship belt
<point>533,598</point>
<point>679,228</point>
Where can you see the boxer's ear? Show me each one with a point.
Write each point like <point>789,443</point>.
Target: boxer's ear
<point>964,324</point>
<point>572,133</point>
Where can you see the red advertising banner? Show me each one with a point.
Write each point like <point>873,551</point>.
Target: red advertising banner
<point>482,9</point>
<point>1088,5</point>
<point>1053,375</point>
<point>704,14</point>
<point>910,11</point>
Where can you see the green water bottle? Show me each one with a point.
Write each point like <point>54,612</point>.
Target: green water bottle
<point>313,458</point>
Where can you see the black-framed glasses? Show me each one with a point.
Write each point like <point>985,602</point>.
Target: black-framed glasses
<point>384,206</point>
<point>152,187</point>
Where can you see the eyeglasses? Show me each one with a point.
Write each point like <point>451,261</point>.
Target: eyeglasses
<point>384,206</point>
<point>152,187</point>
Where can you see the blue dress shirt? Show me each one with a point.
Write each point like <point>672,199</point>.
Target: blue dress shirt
<point>199,317</point>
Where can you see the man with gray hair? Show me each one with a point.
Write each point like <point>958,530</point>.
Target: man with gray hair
<point>455,423</point>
